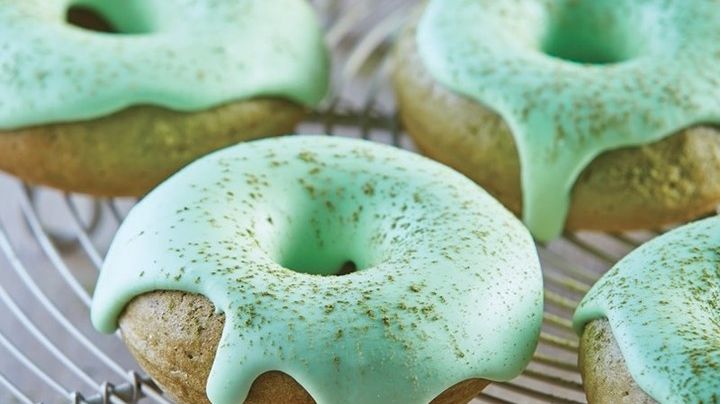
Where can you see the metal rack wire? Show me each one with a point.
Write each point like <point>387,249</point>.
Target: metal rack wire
<point>52,246</point>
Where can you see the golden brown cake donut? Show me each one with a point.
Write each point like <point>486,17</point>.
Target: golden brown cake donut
<point>666,181</point>
<point>174,337</point>
<point>110,99</point>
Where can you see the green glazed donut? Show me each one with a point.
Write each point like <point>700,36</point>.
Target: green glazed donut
<point>569,80</point>
<point>657,312</point>
<point>448,285</point>
<point>116,113</point>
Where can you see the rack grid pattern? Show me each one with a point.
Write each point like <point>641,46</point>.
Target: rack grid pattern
<point>52,246</point>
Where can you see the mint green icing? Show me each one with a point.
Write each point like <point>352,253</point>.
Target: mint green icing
<point>576,78</point>
<point>663,304</point>
<point>448,288</point>
<point>181,54</point>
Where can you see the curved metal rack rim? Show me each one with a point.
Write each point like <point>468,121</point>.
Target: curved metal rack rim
<point>570,265</point>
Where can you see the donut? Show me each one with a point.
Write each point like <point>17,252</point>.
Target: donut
<point>227,282</point>
<point>650,327</point>
<point>116,113</point>
<point>574,114</point>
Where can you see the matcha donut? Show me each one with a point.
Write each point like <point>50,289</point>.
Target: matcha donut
<point>116,113</point>
<point>576,114</point>
<point>226,279</point>
<point>650,327</point>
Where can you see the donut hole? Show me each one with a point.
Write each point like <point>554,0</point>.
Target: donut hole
<point>304,255</point>
<point>311,248</point>
<point>347,268</point>
<point>591,32</point>
<point>88,19</point>
<point>108,17</point>
<point>337,224</point>
<point>320,237</point>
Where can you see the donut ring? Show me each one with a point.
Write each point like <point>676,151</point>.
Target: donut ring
<point>470,80</point>
<point>448,288</point>
<point>115,113</point>
<point>649,327</point>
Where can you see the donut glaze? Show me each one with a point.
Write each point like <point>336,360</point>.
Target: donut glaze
<point>573,79</point>
<point>182,54</point>
<point>448,286</point>
<point>663,304</point>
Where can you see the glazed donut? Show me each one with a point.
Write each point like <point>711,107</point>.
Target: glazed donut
<point>580,114</point>
<point>446,297</point>
<point>116,113</point>
<point>650,327</point>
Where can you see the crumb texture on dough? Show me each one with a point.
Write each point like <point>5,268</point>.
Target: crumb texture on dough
<point>604,372</point>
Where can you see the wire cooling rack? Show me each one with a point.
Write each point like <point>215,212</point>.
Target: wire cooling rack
<point>52,246</point>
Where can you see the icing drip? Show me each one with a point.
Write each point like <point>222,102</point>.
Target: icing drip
<point>663,304</point>
<point>656,70</point>
<point>181,54</point>
<point>448,288</point>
